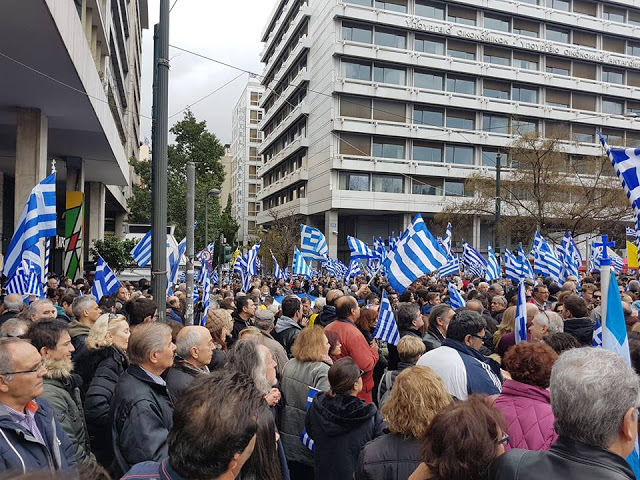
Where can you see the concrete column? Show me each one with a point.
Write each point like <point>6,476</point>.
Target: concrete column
<point>31,155</point>
<point>121,219</point>
<point>406,221</point>
<point>476,232</point>
<point>94,213</point>
<point>331,226</point>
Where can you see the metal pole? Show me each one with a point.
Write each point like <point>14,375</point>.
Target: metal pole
<point>206,220</point>
<point>159,169</point>
<point>191,186</point>
<point>220,259</point>
<point>498,200</point>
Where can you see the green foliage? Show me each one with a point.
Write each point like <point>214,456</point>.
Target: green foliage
<point>196,144</point>
<point>114,251</point>
<point>228,224</point>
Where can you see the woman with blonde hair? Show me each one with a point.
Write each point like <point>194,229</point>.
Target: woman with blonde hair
<point>507,325</point>
<point>220,325</point>
<point>306,369</point>
<point>107,341</point>
<point>417,396</point>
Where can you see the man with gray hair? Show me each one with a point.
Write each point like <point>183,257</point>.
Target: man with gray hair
<point>141,410</point>
<point>42,309</point>
<point>14,327</point>
<point>86,311</point>
<point>595,396</point>
<point>264,321</point>
<point>545,323</point>
<point>12,306</point>
<point>194,349</point>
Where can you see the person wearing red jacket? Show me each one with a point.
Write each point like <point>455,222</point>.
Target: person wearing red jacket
<point>353,342</point>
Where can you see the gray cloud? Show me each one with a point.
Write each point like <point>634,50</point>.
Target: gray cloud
<point>227,31</point>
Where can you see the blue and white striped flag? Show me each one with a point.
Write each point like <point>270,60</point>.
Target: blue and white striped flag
<point>392,242</point>
<point>473,261</point>
<point>313,244</point>
<point>446,241</point>
<point>215,279</point>
<point>386,329</point>
<point>526,271</point>
<point>417,253</point>
<point>596,256</point>
<point>174,262</point>
<point>33,284</point>
<point>141,253</point>
<point>354,270</point>
<point>47,255</point>
<point>379,248</point>
<point>306,439</point>
<point>252,259</point>
<point>105,281</point>
<point>38,220</point>
<point>300,267</point>
<point>277,271</point>
<point>512,267</point>
<point>631,232</point>
<point>182,277</point>
<point>596,341</point>
<point>521,314</point>
<point>493,266</point>
<point>455,299</point>
<point>16,284</point>
<point>451,268</point>
<point>359,249</point>
<point>240,265</point>
<point>546,262</point>
<point>570,257</point>
<point>206,299</point>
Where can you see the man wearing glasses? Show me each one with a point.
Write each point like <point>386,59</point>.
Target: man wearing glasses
<point>30,436</point>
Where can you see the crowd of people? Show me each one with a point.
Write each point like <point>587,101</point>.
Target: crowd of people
<point>301,389</point>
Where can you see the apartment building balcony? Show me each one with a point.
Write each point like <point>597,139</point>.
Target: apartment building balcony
<point>301,109</point>
<point>286,152</point>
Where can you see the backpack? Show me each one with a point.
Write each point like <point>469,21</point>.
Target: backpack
<point>388,382</point>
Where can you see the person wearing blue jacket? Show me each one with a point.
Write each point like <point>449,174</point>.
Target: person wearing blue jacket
<point>31,438</point>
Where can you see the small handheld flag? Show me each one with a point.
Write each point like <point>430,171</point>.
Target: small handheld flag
<point>105,281</point>
<point>521,314</point>
<point>386,329</point>
<point>455,299</point>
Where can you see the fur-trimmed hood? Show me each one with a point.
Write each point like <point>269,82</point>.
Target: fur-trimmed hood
<point>58,369</point>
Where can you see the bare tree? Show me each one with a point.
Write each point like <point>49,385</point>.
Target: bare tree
<point>281,235</point>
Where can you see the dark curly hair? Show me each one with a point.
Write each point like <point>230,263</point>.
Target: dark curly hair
<point>530,363</point>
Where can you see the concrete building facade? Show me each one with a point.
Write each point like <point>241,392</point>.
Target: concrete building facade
<point>376,110</point>
<point>245,144</point>
<point>70,92</point>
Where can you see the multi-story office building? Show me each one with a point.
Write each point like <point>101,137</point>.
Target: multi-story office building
<point>245,144</point>
<point>376,110</point>
<point>70,92</point>
<point>225,190</point>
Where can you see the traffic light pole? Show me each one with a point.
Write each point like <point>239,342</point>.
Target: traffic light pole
<point>191,187</point>
<point>220,260</point>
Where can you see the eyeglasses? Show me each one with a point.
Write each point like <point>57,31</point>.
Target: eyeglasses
<point>33,370</point>
<point>361,372</point>
<point>597,296</point>
<point>478,336</point>
<point>504,440</point>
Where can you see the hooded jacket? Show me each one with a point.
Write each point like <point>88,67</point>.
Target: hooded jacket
<point>239,324</point>
<point>83,359</point>
<point>62,315</point>
<point>180,377</point>
<point>62,392</point>
<point>389,457</point>
<point>581,328</point>
<point>340,426</point>
<point>327,316</point>
<point>20,451</point>
<point>527,410</point>
<point>286,332</point>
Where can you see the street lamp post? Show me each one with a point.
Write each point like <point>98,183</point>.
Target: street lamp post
<point>215,193</point>
<point>498,200</point>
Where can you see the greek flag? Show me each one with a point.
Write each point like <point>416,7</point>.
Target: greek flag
<point>47,255</point>
<point>141,253</point>
<point>631,232</point>
<point>16,283</point>
<point>596,257</point>
<point>455,299</point>
<point>174,261</point>
<point>206,299</point>
<point>252,259</point>
<point>570,257</point>
<point>446,241</point>
<point>473,261</point>
<point>306,439</point>
<point>214,277</point>
<point>240,265</point>
<point>38,220</point>
<point>417,253</point>
<point>493,266</point>
<point>373,264</point>
<point>392,242</point>
<point>521,314</point>
<point>105,281</point>
<point>545,260</point>
<point>386,329</point>
<point>313,245</point>
<point>359,249</point>
<point>354,270</point>
<point>526,270</point>
<point>182,277</point>
<point>451,268</point>
<point>596,341</point>
<point>512,267</point>
<point>300,267</point>
<point>277,271</point>
<point>33,284</point>
<point>379,248</point>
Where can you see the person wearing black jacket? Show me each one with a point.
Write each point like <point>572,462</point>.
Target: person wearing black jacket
<point>245,310</point>
<point>141,410</point>
<point>328,313</point>
<point>410,322</point>
<point>340,424</point>
<point>576,319</point>
<point>288,325</point>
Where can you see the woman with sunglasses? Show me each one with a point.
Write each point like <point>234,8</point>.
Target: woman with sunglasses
<point>340,424</point>
<point>462,441</point>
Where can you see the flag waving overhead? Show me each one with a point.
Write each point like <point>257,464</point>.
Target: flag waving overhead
<point>545,261</point>
<point>277,271</point>
<point>493,265</point>
<point>313,245</point>
<point>455,299</point>
<point>521,314</point>
<point>300,267</point>
<point>570,257</point>
<point>141,253</point>
<point>473,261</point>
<point>359,249</point>
<point>174,262</point>
<point>252,259</point>
<point>386,329</point>
<point>38,220</point>
<point>416,254</point>
<point>105,281</point>
<point>446,241</point>
<point>354,270</point>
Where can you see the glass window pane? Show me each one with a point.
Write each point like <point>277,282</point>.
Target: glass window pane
<point>524,94</point>
<point>356,70</point>
<point>633,78</point>
<point>459,49</point>
<point>612,75</point>
<point>493,89</point>
<point>495,55</point>
<point>584,133</point>
<point>490,158</point>
<point>521,127</point>
<point>634,17</point>
<point>354,144</point>
<point>427,116</point>
<point>393,5</point>
<point>388,148</point>
<point>454,188</point>
<point>429,45</point>
<point>431,81</point>
<point>527,61</point>
<point>427,152</point>
<point>559,4</point>
<point>387,183</point>
<point>583,101</point>
<point>558,98</point>
<point>465,16</point>
<point>496,23</point>
<point>585,7</point>
<point>389,111</point>
<point>613,14</point>
<point>460,85</point>
<point>526,28</point>
<point>633,48</point>
<point>390,38</point>
<point>584,70</point>
<point>356,32</point>
<point>613,107</point>
<point>613,44</point>
<point>556,34</point>
<point>586,39</point>
<point>388,74</point>
<point>358,182</point>
<point>613,136</point>
<point>495,123</point>
<point>459,119</point>
<point>366,3</point>
<point>559,66</point>
<point>459,154</point>
<point>351,106</point>
<point>426,186</point>
<point>427,8</point>
<point>556,130</point>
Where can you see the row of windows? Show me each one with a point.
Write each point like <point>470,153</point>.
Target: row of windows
<point>285,196</point>
<point>365,182</point>
<point>255,99</point>
<point>286,80</point>
<point>291,16</point>
<point>293,43</point>
<point>435,80</point>
<point>455,13</point>
<point>285,168</point>
<point>255,116</point>
<point>293,133</point>
<point>288,107</point>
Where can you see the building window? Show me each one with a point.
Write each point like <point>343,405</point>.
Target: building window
<point>427,8</point>
<point>559,4</point>
<point>365,3</point>
<point>495,22</point>
<point>465,120</point>
<point>556,130</point>
<point>633,48</point>
<point>613,137</point>
<point>558,66</point>
<point>558,98</point>
<point>428,116</point>
<point>426,186</point>
<point>613,14</point>
<point>429,45</point>
<point>584,133</point>
<point>527,61</point>
<point>388,148</point>
<point>584,70</point>
<point>522,127</point>
<point>461,85</point>
<point>556,34</point>
<point>524,94</point>
<point>459,154</point>
<point>493,89</point>
<point>453,188</point>
<point>355,32</point>
<point>463,50</point>
<point>358,182</point>
<point>389,111</point>
<point>633,78</point>
<point>431,81</point>
<point>354,144</point>
<point>612,107</point>
<point>611,75</point>
<point>498,56</point>
<point>495,123</point>
<point>464,16</point>
<point>393,5</point>
<point>634,17</point>
<point>613,44</point>
<point>526,28</point>
<point>585,39</point>
<point>359,107</point>
<point>583,101</point>
<point>427,152</point>
<point>585,7</point>
<point>387,183</point>
<point>390,38</point>
<point>356,70</point>
<point>389,74</point>
<point>255,99</point>
<point>490,158</point>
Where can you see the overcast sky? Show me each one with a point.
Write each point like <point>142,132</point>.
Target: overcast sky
<point>228,31</point>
